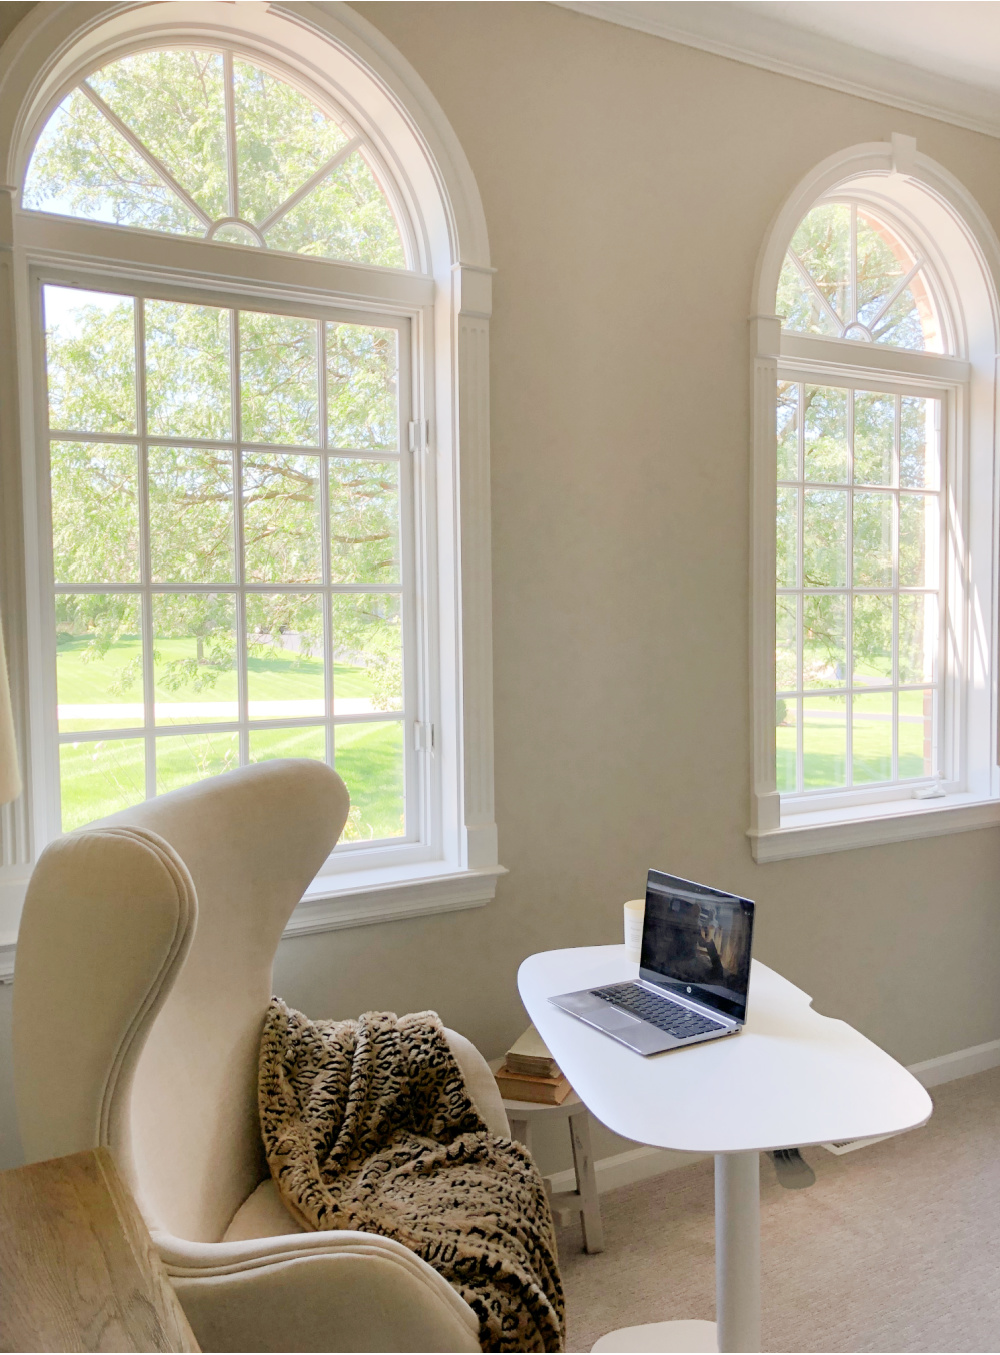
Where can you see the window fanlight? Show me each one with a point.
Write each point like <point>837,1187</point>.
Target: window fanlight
<point>206,143</point>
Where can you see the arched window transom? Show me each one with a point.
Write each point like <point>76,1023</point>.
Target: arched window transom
<point>208,143</point>
<point>849,274</point>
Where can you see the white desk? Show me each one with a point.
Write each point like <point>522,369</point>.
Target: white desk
<point>791,1078</point>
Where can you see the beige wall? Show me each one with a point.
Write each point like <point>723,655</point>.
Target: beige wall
<point>628,183</point>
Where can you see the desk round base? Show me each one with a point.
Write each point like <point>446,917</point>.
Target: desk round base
<point>666,1336</point>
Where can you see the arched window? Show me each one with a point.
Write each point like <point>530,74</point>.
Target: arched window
<point>881,358</point>
<point>245,278</point>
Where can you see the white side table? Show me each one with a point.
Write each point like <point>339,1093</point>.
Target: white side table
<point>584,1200</point>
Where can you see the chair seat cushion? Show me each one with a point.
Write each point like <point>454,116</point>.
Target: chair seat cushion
<point>262,1215</point>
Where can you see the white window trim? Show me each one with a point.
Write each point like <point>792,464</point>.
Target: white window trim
<point>452,290</point>
<point>973,799</point>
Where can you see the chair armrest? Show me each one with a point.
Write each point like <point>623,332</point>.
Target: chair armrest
<point>322,1291</point>
<point>481,1083</point>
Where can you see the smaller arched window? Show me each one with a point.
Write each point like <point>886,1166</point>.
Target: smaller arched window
<point>878,370</point>
<point>210,144</point>
<point>851,274</point>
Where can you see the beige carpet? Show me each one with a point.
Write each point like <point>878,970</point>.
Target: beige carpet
<point>895,1248</point>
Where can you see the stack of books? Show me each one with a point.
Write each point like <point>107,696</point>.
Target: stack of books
<point>530,1073</point>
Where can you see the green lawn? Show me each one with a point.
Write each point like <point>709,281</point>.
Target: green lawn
<point>87,681</point>
<point>98,778</point>
<point>824,742</point>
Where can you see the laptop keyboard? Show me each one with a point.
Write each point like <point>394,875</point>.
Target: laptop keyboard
<point>660,1012</point>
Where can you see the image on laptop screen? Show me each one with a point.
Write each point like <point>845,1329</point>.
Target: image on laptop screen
<point>697,940</point>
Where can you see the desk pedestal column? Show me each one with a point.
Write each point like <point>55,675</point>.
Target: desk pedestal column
<point>737,1251</point>
<point>737,1274</point>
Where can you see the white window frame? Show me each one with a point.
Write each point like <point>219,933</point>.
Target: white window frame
<point>964,257</point>
<point>445,298</point>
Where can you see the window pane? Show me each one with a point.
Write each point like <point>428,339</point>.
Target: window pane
<point>282,138</point>
<point>823,243</point>
<point>370,759</point>
<point>95,512</point>
<point>909,322</point>
<point>918,458</point>
<point>367,647</point>
<point>83,166</point>
<point>786,719</point>
<point>872,540</point>
<point>188,390</point>
<point>787,538</point>
<point>872,639</point>
<point>786,641</point>
<point>281,518</point>
<point>882,259</point>
<point>191,515</point>
<point>90,363</point>
<point>183,759</point>
<point>798,304</point>
<point>824,538</point>
<point>826,434</point>
<point>918,637</point>
<point>174,101</point>
<point>361,393</point>
<point>285,656</point>
<point>194,658</point>
<point>345,217</point>
<point>100,778</point>
<point>299,741</point>
<point>918,540</point>
<point>824,641</point>
<point>98,661</point>
<point>364,521</point>
<point>874,436</point>
<point>824,741</point>
<point>788,430</point>
<point>917,743</point>
<point>278,379</point>
<point>871,738</point>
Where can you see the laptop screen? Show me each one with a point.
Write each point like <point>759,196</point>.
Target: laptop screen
<point>697,940</point>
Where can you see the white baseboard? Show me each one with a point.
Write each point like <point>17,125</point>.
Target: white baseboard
<point>947,1067</point>
<point>622,1169</point>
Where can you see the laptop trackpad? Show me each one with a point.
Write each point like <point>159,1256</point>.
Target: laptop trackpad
<point>613,1019</point>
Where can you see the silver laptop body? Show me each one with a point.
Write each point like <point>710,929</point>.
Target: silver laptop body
<point>694,974</point>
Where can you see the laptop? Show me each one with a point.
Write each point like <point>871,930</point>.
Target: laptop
<point>694,973</point>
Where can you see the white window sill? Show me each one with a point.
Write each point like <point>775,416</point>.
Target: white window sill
<point>840,830</point>
<point>356,898</point>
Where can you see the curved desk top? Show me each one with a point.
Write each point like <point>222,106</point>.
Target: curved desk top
<point>791,1078</point>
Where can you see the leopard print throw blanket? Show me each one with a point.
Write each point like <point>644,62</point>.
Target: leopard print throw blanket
<point>368,1126</point>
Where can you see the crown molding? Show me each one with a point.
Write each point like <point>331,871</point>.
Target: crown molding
<point>739,33</point>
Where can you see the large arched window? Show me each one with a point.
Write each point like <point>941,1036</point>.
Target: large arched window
<point>881,426</point>
<point>243,272</point>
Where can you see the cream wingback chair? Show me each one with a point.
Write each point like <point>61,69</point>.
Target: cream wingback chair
<point>142,977</point>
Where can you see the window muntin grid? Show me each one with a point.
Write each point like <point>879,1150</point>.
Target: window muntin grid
<point>202,142</point>
<point>859,587</point>
<point>175,662</point>
<point>849,274</point>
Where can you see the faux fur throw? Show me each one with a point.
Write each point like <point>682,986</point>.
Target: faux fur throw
<point>368,1126</point>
